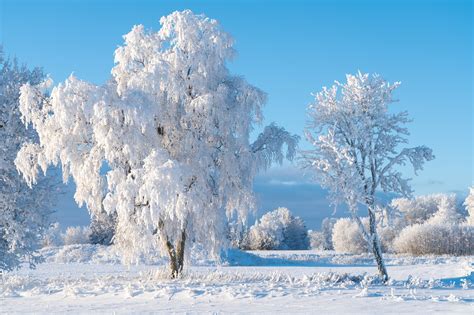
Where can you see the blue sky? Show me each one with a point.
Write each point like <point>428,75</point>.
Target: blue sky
<point>291,49</point>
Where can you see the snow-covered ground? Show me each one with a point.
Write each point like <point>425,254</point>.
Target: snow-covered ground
<point>91,279</point>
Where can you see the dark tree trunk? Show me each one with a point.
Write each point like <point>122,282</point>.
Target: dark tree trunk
<point>375,244</point>
<point>176,255</point>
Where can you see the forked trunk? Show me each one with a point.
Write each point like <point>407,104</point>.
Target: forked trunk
<point>176,254</point>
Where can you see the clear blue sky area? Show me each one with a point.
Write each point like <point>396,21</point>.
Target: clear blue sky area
<point>291,49</point>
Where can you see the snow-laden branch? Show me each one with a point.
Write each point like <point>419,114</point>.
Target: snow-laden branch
<point>269,146</point>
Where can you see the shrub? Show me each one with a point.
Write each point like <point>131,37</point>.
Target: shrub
<point>277,229</point>
<point>52,236</point>
<point>76,235</point>
<point>316,240</point>
<point>422,208</point>
<point>387,235</point>
<point>347,238</point>
<point>438,239</point>
<point>447,212</point>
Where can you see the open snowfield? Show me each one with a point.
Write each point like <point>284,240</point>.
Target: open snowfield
<point>91,279</point>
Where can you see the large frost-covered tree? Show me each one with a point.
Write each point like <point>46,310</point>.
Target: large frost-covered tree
<point>357,147</point>
<point>23,212</point>
<point>171,127</point>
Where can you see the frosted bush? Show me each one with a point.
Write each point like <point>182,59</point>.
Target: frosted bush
<point>316,240</point>
<point>421,208</point>
<point>76,235</point>
<point>52,236</point>
<point>260,238</point>
<point>277,229</point>
<point>442,233</point>
<point>438,239</point>
<point>387,236</point>
<point>347,237</point>
<point>447,212</point>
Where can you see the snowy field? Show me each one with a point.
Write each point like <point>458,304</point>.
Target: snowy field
<point>91,279</point>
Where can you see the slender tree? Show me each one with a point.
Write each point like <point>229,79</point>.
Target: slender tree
<point>23,212</point>
<point>469,204</point>
<point>357,147</point>
<point>172,126</point>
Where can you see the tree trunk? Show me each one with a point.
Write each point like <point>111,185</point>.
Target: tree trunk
<point>176,255</point>
<point>375,244</point>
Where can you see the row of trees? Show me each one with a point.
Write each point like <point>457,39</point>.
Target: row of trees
<point>163,150</point>
<point>432,224</point>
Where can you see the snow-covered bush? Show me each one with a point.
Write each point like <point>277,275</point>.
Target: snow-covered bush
<point>76,235</point>
<point>316,240</point>
<point>445,232</point>
<point>347,237</point>
<point>277,229</point>
<point>438,239</point>
<point>418,209</point>
<point>52,236</point>
<point>388,233</point>
<point>447,213</point>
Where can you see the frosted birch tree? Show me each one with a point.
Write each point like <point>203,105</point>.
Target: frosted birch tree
<point>23,212</point>
<point>357,147</point>
<point>172,126</point>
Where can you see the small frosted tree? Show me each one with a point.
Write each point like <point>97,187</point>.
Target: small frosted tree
<point>326,228</point>
<point>172,127</point>
<point>469,204</point>
<point>357,150</point>
<point>447,213</point>
<point>23,212</point>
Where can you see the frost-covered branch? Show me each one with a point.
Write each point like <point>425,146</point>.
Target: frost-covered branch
<point>268,148</point>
